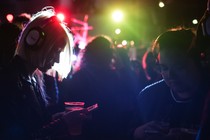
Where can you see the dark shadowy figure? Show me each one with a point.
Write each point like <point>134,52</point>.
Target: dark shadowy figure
<point>203,44</point>
<point>21,20</point>
<point>171,109</point>
<point>98,82</point>
<point>139,73</point>
<point>23,100</point>
<point>9,34</point>
<point>127,71</point>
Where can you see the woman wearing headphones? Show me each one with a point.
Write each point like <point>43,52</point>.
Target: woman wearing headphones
<point>44,42</point>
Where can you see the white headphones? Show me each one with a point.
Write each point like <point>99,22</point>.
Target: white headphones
<point>36,35</point>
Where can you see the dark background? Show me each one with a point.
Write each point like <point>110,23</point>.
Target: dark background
<point>143,20</point>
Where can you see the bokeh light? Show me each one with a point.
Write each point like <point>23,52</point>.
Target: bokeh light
<point>124,42</point>
<point>161,4</point>
<point>117,31</point>
<point>9,17</point>
<point>195,21</point>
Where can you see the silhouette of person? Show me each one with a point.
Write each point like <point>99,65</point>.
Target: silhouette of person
<point>203,44</point>
<point>171,108</point>
<point>97,82</point>
<point>21,20</point>
<point>9,34</point>
<point>23,100</point>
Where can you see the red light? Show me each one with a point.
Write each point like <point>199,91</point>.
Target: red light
<point>9,17</point>
<point>60,16</point>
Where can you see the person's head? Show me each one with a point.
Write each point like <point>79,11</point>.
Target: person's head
<point>44,41</point>
<point>21,20</point>
<point>178,60</point>
<point>99,51</point>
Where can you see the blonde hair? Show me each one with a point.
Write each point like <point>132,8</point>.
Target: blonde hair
<point>54,30</point>
<point>51,33</point>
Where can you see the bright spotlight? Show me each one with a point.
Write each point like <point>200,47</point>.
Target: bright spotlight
<point>117,16</point>
<point>60,16</point>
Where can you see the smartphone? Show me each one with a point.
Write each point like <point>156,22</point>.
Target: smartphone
<point>92,107</point>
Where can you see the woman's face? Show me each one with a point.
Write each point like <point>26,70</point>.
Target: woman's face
<point>52,55</point>
<point>179,71</point>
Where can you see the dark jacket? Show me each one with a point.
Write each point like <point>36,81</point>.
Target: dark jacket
<point>24,111</point>
<point>115,103</point>
<point>157,103</point>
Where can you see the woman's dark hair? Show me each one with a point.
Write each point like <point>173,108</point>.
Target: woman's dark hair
<point>177,39</point>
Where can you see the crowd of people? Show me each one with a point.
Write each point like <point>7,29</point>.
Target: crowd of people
<point>164,95</point>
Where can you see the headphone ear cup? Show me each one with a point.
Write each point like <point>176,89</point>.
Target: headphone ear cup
<point>34,38</point>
